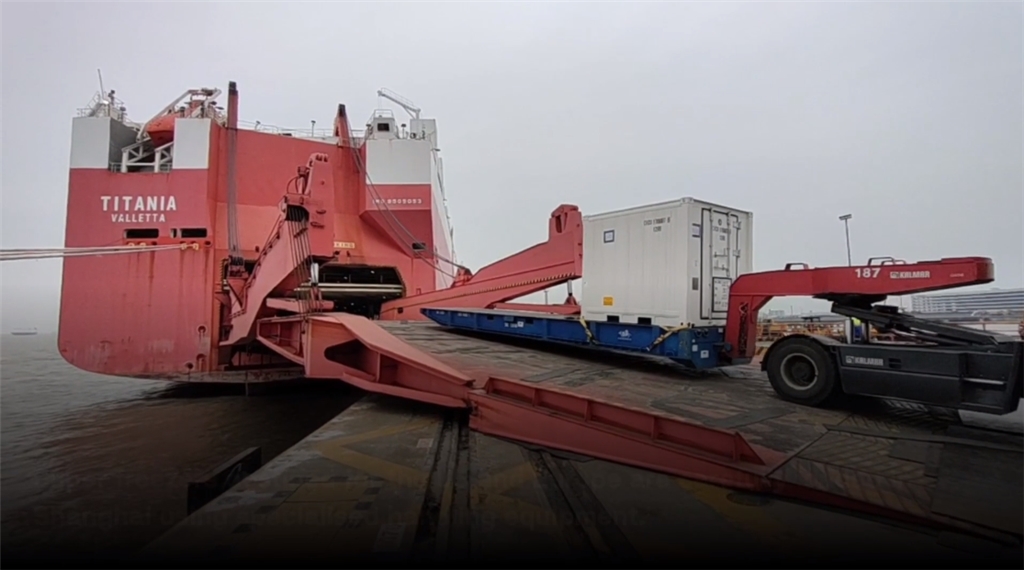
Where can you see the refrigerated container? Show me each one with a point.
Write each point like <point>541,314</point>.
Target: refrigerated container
<point>668,264</point>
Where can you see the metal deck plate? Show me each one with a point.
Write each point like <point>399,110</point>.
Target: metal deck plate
<point>978,484</point>
<point>864,455</point>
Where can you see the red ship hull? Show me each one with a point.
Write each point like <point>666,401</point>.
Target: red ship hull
<point>156,314</point>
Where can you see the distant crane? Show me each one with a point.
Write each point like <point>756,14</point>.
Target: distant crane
<point>404,103</point>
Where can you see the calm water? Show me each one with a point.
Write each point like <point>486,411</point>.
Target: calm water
<point>91,465</point>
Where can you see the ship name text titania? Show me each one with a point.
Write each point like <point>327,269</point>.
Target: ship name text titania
<point>136,209</point>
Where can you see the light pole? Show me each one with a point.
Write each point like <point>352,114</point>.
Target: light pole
<point>850,337</point>
<point>846,221</point>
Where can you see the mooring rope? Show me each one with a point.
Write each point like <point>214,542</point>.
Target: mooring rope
<point>59,252</point>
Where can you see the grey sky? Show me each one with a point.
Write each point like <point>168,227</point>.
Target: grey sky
<point>908,115</point>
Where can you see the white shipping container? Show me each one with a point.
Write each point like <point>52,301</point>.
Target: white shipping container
<point>667,264</point>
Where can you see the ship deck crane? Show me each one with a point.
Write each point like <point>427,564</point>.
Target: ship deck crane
<point>402,102</point>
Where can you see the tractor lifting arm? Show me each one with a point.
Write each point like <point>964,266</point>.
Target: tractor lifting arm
<point>939,364</point>
<point>859,287</point>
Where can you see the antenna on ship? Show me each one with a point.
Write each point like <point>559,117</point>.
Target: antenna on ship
<point>104,104</point>
<point>106,99</point>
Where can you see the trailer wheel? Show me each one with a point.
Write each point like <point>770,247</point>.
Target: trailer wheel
<point>802,371</point>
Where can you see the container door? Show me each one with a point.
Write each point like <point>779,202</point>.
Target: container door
<point>719,262</point>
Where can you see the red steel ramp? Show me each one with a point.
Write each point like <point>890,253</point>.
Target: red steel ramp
<point>724,426</point>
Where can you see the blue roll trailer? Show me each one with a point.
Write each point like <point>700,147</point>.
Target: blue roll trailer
<point>696,347</point>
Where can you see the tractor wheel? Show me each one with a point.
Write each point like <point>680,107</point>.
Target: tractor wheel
<point>801,370</point>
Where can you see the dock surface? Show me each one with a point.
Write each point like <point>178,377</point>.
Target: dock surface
<point>399,481</point>
<point>396,480</point>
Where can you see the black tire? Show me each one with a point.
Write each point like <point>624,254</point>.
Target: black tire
<point>801,370</point>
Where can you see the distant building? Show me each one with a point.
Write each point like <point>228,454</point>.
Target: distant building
<point>992,302</point>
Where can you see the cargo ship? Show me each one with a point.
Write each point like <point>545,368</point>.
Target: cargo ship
<point>24,332</point>
<point>205,198</point>
<point>192,174</point>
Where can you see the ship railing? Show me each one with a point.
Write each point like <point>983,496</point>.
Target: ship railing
<point>142,157</point>
<point>357,135</point>
<point>210,112</point>
<point>381,114</point>
<point>307,133</point>
<point>119,167</point>
<point>105,106</point>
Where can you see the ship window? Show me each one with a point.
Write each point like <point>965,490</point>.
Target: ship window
<point>193,233</point>
<point>419,246</point>
<point>383,127</point>
<point>136,233</point>
<point>643,320</point>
